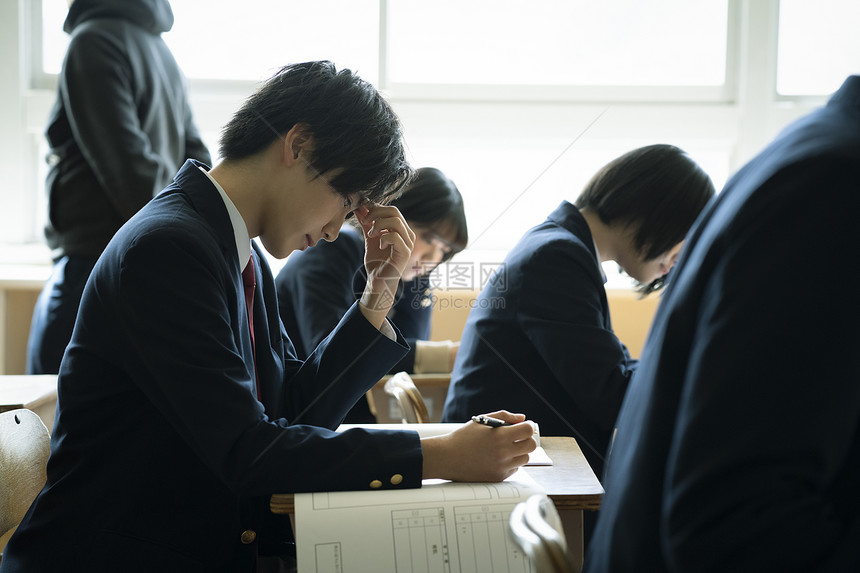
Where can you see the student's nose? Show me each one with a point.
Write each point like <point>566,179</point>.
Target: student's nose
<point>331,231</point>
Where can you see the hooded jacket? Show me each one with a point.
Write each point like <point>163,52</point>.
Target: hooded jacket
<point>121,126</point>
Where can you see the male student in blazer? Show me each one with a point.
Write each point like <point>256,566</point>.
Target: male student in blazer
<point>171,430</point>
<point>738,442</point>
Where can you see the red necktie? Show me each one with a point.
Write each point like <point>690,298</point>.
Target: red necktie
<point>249,280</point>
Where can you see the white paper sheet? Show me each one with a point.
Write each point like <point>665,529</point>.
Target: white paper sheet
<point>441,527</point>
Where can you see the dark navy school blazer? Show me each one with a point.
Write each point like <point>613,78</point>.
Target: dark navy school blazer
<point>539,340</point>
<point>162,458</point>
<point>738,444</point>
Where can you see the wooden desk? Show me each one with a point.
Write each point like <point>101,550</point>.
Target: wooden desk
<point>36,393</point>
<point>569,482</point>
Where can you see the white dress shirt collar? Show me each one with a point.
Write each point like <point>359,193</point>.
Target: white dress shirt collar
<point>240,230</point>
<point>599,263</point>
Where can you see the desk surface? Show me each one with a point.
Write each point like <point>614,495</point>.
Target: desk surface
<point>426,380</point>
<point>27,391</point>
<point>570,481</point>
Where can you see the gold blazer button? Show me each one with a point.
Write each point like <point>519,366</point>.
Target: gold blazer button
<point>248,536</point>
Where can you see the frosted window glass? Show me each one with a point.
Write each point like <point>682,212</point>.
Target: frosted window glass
<point>819,45</point>
<point>558,42</point>
<point>251,39</point>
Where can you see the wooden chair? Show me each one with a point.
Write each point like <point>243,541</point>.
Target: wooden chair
<point>25,445</point>
<point>413,410</point>
<point>536,528</point>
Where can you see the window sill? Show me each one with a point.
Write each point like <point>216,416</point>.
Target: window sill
<point>24,266</point>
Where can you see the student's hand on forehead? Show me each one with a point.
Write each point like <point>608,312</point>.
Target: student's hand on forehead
<point>388,240</point>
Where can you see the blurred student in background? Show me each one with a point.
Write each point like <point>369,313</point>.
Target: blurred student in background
<point>317,286</point>
<point>540,335</point>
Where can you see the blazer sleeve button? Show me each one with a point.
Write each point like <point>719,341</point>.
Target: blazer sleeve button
<point>376,484</point>
<point>248,536</point>
<point>396,479</point>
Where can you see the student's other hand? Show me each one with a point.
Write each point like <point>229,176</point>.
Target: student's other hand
<point>388,242</point>
<point>478,453</point>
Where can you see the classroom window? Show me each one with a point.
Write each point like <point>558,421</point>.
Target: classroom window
<point>558,42</point>
<point>500,94</point>
<point>250,40</point>
<point>446,42</point>
<point>54,39</point>
<point>828,25</point>
<point>252,48</point>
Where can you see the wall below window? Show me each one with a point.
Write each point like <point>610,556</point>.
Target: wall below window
<point>631,316</point>
<point>19,288</point>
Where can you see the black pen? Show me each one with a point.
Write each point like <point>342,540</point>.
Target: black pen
<point>488,421</point>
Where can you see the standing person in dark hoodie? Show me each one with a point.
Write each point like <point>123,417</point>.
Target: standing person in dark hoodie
<point>120,129</point>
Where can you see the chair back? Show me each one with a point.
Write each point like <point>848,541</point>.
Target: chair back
<point>413,410</point>
<point>25,445</point>
<point>535,527</point>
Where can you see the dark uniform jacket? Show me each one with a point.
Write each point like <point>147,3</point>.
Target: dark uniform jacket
<point>539,340</point>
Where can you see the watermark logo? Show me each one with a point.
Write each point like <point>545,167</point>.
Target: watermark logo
<point>461,278</point>
<point>466,276</point>
<point>466,303</point>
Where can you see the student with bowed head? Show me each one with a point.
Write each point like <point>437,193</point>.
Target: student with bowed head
<point>318,286</point>
<point>540,335</point>
<point>182,406</point>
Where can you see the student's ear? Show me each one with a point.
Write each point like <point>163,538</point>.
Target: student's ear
<point>298,140</point>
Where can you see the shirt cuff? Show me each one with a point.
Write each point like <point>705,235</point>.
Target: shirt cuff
<point>385,328</point>
<point>388,330</point>
<point>432,356</point>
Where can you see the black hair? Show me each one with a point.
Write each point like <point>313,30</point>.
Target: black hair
<point>657,191</point>
<point>432,200</point>
<point>355,132</point>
